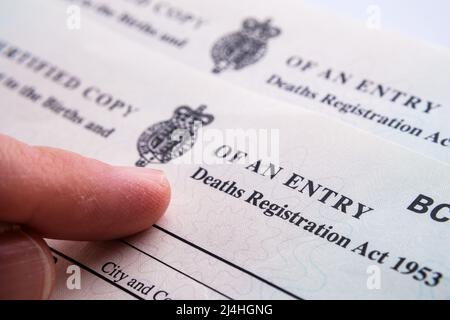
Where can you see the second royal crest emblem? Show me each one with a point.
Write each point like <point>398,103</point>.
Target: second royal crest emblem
<point>172,138</point>
<point>244,47</point>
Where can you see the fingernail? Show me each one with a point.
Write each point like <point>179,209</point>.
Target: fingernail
<point>26,266</point>
<point>152,175</point>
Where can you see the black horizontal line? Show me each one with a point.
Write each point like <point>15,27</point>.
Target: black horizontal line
<point>227,262</point>
<point>96,273</point>
<point>173,268</point>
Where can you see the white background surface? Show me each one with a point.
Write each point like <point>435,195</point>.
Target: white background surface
<point>424,20</point>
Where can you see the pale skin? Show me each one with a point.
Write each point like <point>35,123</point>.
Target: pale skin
<point>52,193</point>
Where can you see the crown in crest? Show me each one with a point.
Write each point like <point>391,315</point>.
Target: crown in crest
<point>262,30</point>
<point>197,114</point>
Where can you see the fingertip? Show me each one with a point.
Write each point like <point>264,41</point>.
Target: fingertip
<point>125,200</point>
<point>149,195</point>
<point>62,195</point>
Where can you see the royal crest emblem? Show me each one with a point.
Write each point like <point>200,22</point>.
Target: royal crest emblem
<point>240,49</point>
<point>172,138</point>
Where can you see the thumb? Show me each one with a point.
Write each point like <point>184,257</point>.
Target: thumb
<point>27,270</point>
